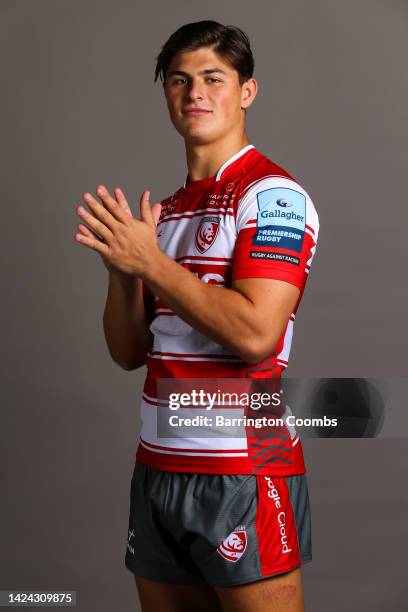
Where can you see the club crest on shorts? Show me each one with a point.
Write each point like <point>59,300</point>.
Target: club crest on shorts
<point>234,546</point>
<point>206,233</point>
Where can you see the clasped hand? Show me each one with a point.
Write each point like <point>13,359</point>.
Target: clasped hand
<point>124,243</point>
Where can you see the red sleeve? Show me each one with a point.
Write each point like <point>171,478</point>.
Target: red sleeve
<point>252,261</point>
<point>277,228</point>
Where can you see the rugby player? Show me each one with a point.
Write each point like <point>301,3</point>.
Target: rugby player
<point>206,285</point>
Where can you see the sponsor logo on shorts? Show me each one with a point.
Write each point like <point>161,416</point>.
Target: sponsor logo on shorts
<point>234,545</point>
<point>273,494</point>
<point>130,536</point>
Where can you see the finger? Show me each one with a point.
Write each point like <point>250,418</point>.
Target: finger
<point>112,205</point>
<point>145,210</point>
<point>95,225</point>
<point>100,212</point>
<point>92,243</point>
<point>120,196</point>
<point>83,229</point>
<point>156,210</point>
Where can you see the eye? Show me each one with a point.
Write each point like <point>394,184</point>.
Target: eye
<point>182,80</point>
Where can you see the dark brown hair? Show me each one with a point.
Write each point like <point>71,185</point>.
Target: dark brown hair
<point>230,42</point>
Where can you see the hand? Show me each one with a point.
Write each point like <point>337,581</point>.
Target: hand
<point>125,244</point>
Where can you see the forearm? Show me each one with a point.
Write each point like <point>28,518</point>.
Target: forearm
<point>124,321</point>
<point>223,315</point>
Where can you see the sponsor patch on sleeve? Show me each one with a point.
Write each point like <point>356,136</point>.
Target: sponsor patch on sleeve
<point>281,219</point>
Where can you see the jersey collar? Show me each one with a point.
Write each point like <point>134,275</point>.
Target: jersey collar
<point>225,165</point>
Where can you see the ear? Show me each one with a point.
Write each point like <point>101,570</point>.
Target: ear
<point>249,91</point>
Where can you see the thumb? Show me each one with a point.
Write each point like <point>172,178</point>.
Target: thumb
<point>156,210</point>
<point>145,210</point>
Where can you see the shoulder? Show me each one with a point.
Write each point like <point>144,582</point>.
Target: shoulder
<point>269,189</point>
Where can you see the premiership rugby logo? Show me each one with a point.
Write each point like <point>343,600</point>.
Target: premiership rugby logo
<point>234,546</point>
<point>206,233</point>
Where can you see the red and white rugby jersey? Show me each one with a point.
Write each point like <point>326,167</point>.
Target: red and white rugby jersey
<point>250,220</point>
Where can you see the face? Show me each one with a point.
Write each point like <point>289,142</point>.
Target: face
<point>204,97</point>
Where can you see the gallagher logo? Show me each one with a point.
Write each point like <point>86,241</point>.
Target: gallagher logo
<point>234,546</point>
<point>283,203</point>
<point>206,233</point>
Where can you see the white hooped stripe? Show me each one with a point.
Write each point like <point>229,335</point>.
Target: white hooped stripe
<point>195,213</point>
<point>154,400</point>
<point>206,262</point>
<point>210,359</point>
<point>175,452</point>
<point>163,311</point>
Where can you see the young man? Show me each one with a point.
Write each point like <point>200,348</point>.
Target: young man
<point>206,286</point>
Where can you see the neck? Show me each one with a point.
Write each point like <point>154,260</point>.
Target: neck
<point>204,160</point>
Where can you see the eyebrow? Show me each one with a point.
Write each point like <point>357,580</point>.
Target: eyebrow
<point>206,71</point>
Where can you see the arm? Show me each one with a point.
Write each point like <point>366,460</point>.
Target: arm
<point>125,322</point>
<point>127,316</point>
<point>277,228</point>
<point>247,320</point>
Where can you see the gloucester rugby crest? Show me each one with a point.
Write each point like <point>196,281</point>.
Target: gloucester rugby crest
<point>234,546</point>
<point>206,233</point>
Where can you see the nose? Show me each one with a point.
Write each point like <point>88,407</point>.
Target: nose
<point>195,91</point>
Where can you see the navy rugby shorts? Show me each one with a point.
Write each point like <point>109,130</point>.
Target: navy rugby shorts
<point>217,528</point>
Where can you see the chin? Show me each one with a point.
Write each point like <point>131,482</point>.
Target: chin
<point>199,136</point>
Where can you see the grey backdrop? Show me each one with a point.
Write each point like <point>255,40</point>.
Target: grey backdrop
<point>79,107</point>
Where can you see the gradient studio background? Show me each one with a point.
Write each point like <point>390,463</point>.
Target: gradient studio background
<point>79,107</point>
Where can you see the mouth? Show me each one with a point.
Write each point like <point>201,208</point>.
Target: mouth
<point>196,112</point>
